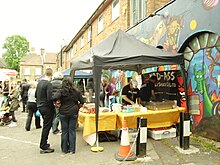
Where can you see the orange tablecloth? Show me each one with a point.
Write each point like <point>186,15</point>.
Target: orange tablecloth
<point>155,119</point>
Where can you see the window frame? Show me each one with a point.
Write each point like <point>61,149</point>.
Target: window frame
<point>27,71</point>
<point>89,33</point>
<point>82,41</point>
<point>115,9</point>
<point>100,23</point>
<point>38,71</point>
<point>138,11</point>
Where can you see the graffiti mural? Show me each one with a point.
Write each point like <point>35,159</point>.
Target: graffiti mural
<point>174,25</point>
<point>169,29</point>
<point>202,58</point>
<point>157,35</point>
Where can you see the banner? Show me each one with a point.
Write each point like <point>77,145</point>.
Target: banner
<point>166,87</point>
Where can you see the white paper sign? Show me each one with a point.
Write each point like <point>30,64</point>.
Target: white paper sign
<point>186,128</point>
<point>143,135</point>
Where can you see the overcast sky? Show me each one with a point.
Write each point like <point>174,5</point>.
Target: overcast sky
<point>45,23</point>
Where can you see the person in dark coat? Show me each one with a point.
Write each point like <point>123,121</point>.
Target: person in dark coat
<point>80,86</point>
<point>45,105</point>
<point>24,94</point>
<point>71,100</point>
<point>57,85</point>
<point>147,90</point>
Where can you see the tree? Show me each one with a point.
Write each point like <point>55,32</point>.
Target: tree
<point>16,47</point>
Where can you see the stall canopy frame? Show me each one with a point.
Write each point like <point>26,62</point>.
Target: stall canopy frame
<point>122,51</point>
<point>78,73</point>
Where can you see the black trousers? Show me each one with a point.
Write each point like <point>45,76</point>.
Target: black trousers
<point>12,113</point>
<point>24,102</point>
<point>32,108</point>
<point>47,113</point>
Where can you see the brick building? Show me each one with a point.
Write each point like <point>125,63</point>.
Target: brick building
<point>110,16</point>
<point>33,65</point>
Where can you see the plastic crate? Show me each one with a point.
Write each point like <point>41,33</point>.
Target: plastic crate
<point>162,134</point>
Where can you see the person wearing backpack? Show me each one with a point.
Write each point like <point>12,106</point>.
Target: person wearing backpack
<point>71,100</point>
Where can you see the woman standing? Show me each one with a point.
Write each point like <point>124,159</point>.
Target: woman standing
<point>14,98</point>
<point>32,107</point>
<point>71,100</point>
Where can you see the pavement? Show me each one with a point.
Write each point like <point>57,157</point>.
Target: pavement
<point>21,147</point>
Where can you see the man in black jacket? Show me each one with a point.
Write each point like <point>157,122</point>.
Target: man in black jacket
<point>45,105</point>
<point>147,91</point>
<point>57,85</point>
<point>24,93</point>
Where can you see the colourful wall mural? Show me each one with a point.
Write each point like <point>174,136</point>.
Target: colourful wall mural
<point>202,56</point>
<point>186,27</point>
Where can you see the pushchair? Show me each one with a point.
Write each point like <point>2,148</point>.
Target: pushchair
<point>5,117</point>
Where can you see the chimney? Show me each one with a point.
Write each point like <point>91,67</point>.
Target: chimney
<point>32,50</point>
<point>42,53</point>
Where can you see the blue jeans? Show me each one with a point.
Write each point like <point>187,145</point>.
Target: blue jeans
<point>68,137</point>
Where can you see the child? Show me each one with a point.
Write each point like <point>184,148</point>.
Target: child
<point>113,99</point>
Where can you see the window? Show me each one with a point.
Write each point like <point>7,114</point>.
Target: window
<point>74,49</point>
<point>82,41</point>
<point>37,71</point>
<point>89,33</point>
<point>100,23</point>
<point>27,71</point>
<point>69,54</point>
<point>138,10</point>
<point>115,9</point>
<point>72,52</point>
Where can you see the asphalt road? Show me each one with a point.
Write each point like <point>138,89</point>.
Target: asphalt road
<point>19,147</point>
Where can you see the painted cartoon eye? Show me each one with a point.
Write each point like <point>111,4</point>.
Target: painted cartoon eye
<point>197,76</point>
<point>182,93</point>
<point>200,76</point>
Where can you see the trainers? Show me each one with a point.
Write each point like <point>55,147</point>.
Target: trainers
<point>59,133</point>
<point>12,124</point>
<point>48,150</point>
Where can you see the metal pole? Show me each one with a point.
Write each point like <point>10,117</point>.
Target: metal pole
<point>141,143</point>
<point>184,130</point>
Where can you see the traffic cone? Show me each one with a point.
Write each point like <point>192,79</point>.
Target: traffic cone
<point>124,151</point>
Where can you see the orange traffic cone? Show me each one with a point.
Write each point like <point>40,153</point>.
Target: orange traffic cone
<point>124,152</point>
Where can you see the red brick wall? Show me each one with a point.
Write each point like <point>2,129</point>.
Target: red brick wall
<point>153,5</point>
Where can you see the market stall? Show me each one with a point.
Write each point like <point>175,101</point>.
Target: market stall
<point>121,51</point>
<point>114,120</point>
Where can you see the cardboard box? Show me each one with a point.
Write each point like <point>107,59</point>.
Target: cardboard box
<point>164,105</point>
<point>162,134</point>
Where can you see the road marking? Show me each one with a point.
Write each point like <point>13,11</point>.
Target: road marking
<point>16,140</point>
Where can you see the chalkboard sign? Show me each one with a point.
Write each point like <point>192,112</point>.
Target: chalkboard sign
<point>166,87</point>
